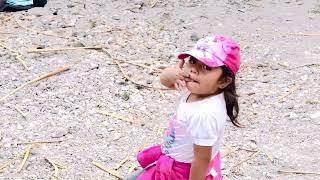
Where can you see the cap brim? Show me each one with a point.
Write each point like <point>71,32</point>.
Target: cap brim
<point>198,55</point>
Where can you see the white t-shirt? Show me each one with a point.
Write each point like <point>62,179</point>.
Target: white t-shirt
<point>200,122</point>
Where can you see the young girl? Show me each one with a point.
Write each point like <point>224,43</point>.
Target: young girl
<point>206,79</point>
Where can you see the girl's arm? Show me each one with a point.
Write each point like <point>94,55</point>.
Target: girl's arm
<point>200,162</point>
<point>169,76</point>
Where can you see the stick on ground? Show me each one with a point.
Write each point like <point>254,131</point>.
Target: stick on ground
<point>43,142</point>
<point>108,170</point>
<point>129,79</point>
<point>17,55</point>
<point>25,158</point>
<point>19,111</point>
<point>63,49</point>
<point>121,163</point>
<point>52,73</point>
<point>253,155</point>
<point>115,116</point>
<point>298,172</point>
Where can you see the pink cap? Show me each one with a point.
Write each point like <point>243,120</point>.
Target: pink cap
<point>216,51</point>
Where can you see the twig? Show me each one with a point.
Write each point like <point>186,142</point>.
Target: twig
<point>64,49</point>
<point>18,56</point>
<point>56,167</point>
<point>245,160</point>
<point>25,158</point>
<point>305,34</point>
<point>115,116</point>
<point>155,3</point>
<point>229,151</point>
<point>121,163</point>
<point>298,172</point>
<point>307,65</point>
<point>108,170</point>
<point>52,73</point>
<point>161,94</point>
<point>140,65</point>
<point>292,90</point>
<point>38,32</point>
<point>10,161</point>
<point>43,142</point>
<point>140,84</point>
<point>19,110</point>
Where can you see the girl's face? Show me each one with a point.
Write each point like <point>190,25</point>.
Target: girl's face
<point>203,80</point>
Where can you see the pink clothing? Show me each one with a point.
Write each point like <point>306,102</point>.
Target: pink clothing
<point>167,168</point>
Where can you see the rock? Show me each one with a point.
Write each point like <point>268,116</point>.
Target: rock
<point>59,133</point>
<point>194,37</point>
<point>315,115</point>
<point>292,115</point>
<point>115,17</point>
<point>19,127</point>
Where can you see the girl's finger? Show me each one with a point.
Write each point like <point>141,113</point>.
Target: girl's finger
<point>176,86</point>
<point>181,63</point>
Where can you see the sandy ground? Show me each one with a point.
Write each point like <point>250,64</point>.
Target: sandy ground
<point>278,84</point>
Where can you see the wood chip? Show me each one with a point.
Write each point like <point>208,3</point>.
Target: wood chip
<point>108,170</point>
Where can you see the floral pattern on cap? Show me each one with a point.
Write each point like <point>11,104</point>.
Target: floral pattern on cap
<point>216,51</point>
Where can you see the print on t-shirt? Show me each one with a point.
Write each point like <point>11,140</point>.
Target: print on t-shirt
<point>170,136</point>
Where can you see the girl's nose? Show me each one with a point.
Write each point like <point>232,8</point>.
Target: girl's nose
<point>194,69</point>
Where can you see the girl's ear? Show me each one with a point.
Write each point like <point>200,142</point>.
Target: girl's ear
<point>225,82</point>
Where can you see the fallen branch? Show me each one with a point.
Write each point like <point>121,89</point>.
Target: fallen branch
<point>52,73</point>
<point>115,116</point>
<point>63,49</point>
<point>19,111</point>
<point>292,90</point>
<point>121,163</point>
<point>108,170</point>
<point>43,142</point>
<point>25,158</point>
<point>253,155</point>
<point>297,172</point>
<point>17,55</point>
<point>129,79</point>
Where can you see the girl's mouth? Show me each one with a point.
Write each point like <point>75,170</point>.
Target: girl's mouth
<point>189,79</point>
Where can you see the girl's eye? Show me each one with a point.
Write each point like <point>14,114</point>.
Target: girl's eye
<point>192,60</point>
<point>205,67</point>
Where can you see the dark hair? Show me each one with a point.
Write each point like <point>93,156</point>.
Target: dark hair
<point>231,97</point>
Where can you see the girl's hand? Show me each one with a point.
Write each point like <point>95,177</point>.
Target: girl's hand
<point>180,82</point>
<point>174,77</point>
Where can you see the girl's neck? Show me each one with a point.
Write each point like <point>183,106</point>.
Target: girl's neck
<point>198,97</point>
